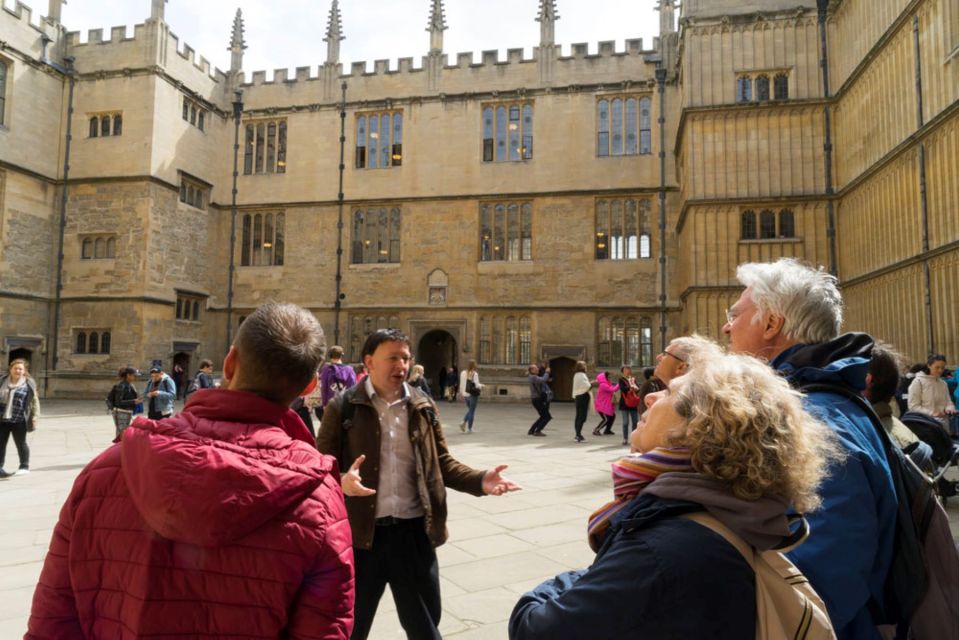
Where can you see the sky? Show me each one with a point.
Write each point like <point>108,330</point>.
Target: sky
<point>289,33</point>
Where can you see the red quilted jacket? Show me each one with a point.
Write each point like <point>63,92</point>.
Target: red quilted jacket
<point>220,522</point>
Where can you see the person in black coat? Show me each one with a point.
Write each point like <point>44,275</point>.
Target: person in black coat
<point>706,444</point>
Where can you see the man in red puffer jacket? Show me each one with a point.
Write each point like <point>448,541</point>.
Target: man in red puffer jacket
<point>222,521</point>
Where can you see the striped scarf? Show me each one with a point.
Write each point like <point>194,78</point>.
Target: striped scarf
<point>630,475</point>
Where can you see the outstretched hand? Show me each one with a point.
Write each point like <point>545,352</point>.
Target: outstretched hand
<point>352,483</point>
<point>495,484</point>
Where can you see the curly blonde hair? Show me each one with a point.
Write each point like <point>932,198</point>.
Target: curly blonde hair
<point>747,427</point>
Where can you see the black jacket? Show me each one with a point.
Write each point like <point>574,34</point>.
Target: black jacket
<point>656,576</point>
<point>123,396</point>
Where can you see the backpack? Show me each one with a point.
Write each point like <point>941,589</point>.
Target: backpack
<point>786,604</point>
<point>631,399</point>
<point>193,386</point>
<point>111,399</point>
<point>921,593</point>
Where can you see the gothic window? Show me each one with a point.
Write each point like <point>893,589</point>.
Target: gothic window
<point>645,248</point>
<point>186,110</point>
<point>4,67</point>
<point>98,247</point>
<point>188,307</point>
<point>744,89</point>
<point>624,341</point>
<point>525,340</point>
<point>376,235</point>
<point>91,341</point>
<point>781,87</point>
<point>508,132</point>
<point>767,225</point>
<point>622,226</point>
<point>379,140</point>
<point>623,126</point>
<point>762,88</point>
<point>199,120</point>
<point>512,341</point>
<point>105,342</point>
<point>485,351</point>
<point>94,127</point>
<point>787,224</point>
<point>262,240</point>
<point>193,193</point>
<point>504,340</point>
<point>104,126</point>
<point>506,232</point>
<point>93,344</point>
<point>264,149</point>
<point>81,346</point>
<point>748,225</point>
<point>194,113</point>
<point>117,124</point>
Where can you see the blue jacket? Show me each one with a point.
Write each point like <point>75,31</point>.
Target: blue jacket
<point>164,399</point>
<point>656,576</point>
<point>848,553</point>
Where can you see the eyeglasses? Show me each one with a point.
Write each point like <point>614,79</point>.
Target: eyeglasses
<point>673,355</point>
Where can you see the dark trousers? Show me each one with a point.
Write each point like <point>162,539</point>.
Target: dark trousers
<point>582,409</point>
<point>542,408</point>
<point>307,419</point>
<point>605,424</point>
<point>402,557</point>
<point>19,431</point>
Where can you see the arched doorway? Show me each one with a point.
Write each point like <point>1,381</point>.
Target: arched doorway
<point>436,352</point>
<point>21,354</point>
<point>561,372</point>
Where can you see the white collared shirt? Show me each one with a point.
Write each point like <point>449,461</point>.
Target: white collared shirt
<point>396,492</point>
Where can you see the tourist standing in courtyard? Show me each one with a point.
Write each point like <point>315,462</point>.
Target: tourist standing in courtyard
<point>628,401</point>
<point>790,314</point>
<point>396,467</point>
<point>335,377</point>
<point>419,381</point>
<point>469,389</point>
<point>19,412</point>
<point>605,388</point>
<point>221,522</point>
<point>159,395</point>
<point>123,400</point>
<point>581,396</point>
<point>541,396</point>
<point>727,449</point>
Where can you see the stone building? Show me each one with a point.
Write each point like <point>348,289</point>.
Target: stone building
<point>551,208</point>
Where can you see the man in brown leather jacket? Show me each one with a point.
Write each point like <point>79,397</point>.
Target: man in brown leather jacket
<point>389,437</point>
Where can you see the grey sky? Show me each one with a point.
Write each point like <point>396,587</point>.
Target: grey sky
<point>289,33</point>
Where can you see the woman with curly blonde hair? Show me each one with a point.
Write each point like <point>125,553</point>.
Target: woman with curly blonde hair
<point>729,438</point>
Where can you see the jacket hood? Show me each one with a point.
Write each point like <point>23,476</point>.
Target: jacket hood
<point>342,372</point>
<point>843,361</point>
<point>227,464</point>
<point>762,523</point>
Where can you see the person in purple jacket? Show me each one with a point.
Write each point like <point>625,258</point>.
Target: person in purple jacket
<point>335,376</point>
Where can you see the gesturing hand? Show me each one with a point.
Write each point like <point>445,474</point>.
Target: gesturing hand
<point>352,483</point>
<point>496,485</point>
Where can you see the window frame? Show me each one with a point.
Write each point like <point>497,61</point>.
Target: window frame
<point>506,231</point>
<point>98,246</point>
<point>624,339</point>
<point>626,113</point>
<point>389,146</point>
<point>104,124</point>
<point>501,141</point>
<point>376,235</point>
<point>90,341</point>
<point>264,154</point>
<point>258,250</point>
<point>188,307</point>
<point>623,222</point>
<point>5,66</point>
<point>768,225</point>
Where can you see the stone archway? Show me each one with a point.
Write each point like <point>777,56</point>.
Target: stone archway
<point>436,352</point>
<point>561,373</point>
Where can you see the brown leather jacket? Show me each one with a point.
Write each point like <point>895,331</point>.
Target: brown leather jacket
<point>436,469</point>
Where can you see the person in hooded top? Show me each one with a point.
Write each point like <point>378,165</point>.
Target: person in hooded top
<point>730,438</point>
<point>221,521</point>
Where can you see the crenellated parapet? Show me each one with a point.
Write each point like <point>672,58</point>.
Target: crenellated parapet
<point>466,72</point>
<point>23,32</point>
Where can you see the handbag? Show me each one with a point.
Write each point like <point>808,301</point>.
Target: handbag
<point>631,399</point>
<point>472,388</point>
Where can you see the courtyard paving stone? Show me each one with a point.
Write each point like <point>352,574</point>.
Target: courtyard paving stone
<point>498,547</point>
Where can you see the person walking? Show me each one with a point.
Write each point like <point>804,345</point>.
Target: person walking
<point>123,399</point>
<point>581,396</point>
<point>628,401</point>
<point>469,389</point>
<point>604,404</point>
<point>541,395</point>
<point>19,411</point>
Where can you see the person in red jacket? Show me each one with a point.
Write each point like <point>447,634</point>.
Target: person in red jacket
<point>221,521</point>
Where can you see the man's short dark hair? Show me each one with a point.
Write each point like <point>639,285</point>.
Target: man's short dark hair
<point>884,369</point>
<point>280,348</point>
<point>335,352</point>
<point>378,337</point>
<point>205,363</point>
<point>648,372</point>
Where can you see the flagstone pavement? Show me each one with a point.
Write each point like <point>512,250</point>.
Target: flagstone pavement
<point>499,547</point>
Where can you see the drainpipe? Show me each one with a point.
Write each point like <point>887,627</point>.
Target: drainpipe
<point>338,302</point>
<point>923,199</point>
<point>237,112</point>
<point>827,144</point>
<point>68,71</point>
<point>661,87</point>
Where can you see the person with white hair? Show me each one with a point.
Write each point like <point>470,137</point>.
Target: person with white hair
<point>791,315</point>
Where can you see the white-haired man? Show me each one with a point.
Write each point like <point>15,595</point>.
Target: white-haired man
<point>791,314</point>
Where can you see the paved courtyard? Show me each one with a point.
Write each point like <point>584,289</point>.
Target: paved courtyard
<point>499,547</point>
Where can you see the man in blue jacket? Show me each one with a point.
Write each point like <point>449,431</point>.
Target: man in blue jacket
<point>159,395</point>
<point>791,315</point>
